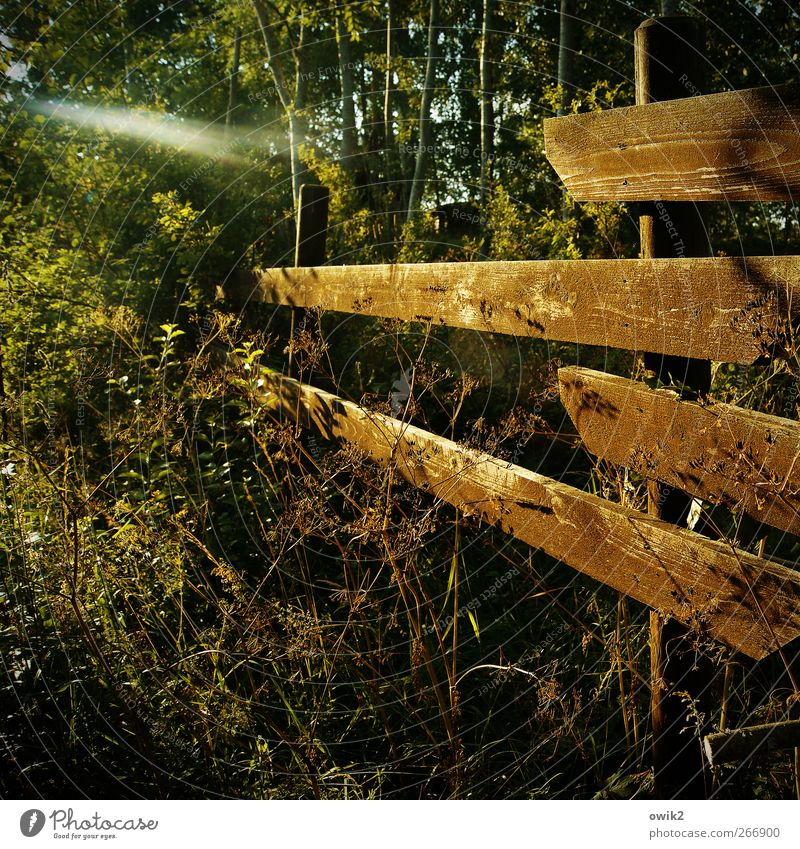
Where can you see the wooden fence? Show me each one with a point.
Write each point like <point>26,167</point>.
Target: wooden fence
<point>682,311</point>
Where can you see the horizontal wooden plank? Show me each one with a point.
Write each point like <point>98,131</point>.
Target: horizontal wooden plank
<point>728,309</point>
<point>741,744</point>
<point>746,602</point>
<point>737,145</point>
<point>744,459</point>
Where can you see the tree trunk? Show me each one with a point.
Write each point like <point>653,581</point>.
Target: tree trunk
<point>3,401</point>
<point>388,126</point>
<point>348,148</point>
<point>297,124</point>
<point>237,45</point>
<point>375,126</point>
<point>291,104</point>
<point>487,104</point>
<point>425,127</point>
<point>392,160</point>
<point>296,136</point>
<point>566,54</point>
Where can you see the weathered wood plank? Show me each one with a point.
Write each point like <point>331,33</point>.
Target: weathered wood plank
<point>727,309</point>
<point>702,582</point>
<point>741,744</point>
<point>744,459</point>
<point>737,145</point>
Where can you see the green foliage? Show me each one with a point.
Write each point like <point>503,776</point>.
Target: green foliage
<point>517,232</point>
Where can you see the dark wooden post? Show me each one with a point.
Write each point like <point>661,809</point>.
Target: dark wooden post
<point>668,60</point>
<point>232,85</point>
<point>312,231</point>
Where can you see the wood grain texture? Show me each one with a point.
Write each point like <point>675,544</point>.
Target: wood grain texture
<point>744,459</point>
<point>738,145</point>
<point>741,744</point>
<point>746,602</point>
<point>728,309</point>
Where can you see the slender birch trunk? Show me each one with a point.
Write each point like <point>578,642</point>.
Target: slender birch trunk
<point>232,85</point>
<point>348,148</point>
<point>487,103</point>
<point>292,100</point>
<point>425,126</point>
<point>566,54</point>
<point>388,124</point>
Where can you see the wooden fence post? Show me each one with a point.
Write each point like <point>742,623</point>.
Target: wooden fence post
<point>312,231</point>
<point>668,65</point>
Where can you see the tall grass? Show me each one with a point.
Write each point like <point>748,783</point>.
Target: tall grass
<point>198,600</point>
